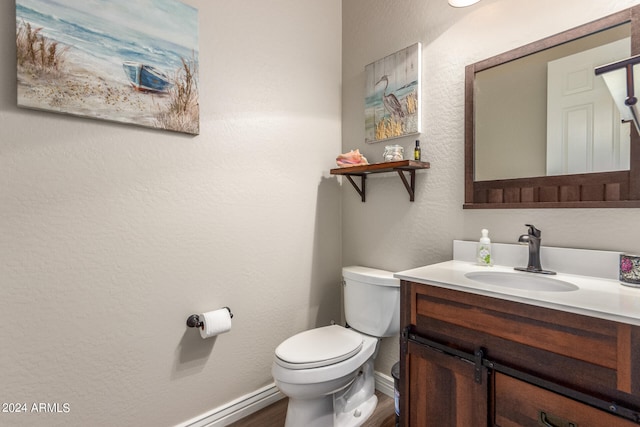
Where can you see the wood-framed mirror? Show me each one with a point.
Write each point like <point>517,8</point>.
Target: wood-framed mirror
<point>529,179</point>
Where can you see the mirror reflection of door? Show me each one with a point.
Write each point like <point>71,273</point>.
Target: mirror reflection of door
<point>584,129</point>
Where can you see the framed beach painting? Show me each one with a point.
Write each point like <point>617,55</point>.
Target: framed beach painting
<point>129,61</point>
<point>392,95</point>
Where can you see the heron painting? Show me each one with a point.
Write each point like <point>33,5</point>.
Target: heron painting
<point>392,94</point>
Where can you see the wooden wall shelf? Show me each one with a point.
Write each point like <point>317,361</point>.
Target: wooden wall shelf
<point>402,166</point>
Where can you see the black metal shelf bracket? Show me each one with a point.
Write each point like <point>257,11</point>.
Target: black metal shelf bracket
<point>411,187</point>
<point>363,185</point>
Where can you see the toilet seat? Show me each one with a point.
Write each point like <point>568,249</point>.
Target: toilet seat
<point>318,347</point>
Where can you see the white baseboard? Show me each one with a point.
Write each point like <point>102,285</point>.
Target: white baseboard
<point>253,402</point>
<point>237,409</point>
<point>384,384</point>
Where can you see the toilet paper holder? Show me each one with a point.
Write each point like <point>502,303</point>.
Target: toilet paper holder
<point>194,321</point>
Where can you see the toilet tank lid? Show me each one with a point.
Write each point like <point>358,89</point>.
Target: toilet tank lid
<point>373,276</point>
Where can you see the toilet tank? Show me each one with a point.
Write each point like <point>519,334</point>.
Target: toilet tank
<point>371,301</point>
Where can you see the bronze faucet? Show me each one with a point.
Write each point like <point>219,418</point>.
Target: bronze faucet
<point>533,239</point>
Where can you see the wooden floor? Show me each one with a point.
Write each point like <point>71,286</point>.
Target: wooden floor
<point>274,415</point>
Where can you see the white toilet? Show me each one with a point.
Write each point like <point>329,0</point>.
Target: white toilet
<point>327,372</point>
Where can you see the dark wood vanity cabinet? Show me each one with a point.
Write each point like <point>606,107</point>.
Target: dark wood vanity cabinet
<point>442,388</point>
<point>470,360</point>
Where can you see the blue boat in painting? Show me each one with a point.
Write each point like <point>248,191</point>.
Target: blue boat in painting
<point>145,78</point>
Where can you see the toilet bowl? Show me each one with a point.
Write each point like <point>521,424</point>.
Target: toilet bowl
<point>327,372</point>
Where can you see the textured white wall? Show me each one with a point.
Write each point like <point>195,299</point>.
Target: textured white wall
<point>390,232</point>
<point>113,234</point>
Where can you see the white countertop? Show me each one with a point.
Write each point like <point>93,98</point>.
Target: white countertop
<point>597,297</point>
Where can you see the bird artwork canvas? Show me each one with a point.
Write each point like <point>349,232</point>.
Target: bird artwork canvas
<point>392,95</point>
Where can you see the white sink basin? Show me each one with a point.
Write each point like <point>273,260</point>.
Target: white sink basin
<point>524,281</point>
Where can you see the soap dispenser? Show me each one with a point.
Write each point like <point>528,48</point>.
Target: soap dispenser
<point>483,253</point>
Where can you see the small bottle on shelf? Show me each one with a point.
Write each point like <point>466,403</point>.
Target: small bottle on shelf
<point>416,151</point>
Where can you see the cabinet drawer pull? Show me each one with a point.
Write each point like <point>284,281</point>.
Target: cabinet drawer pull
<point>557,421</point>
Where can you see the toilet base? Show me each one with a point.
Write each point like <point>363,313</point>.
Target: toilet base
<point>358,416</point>
<point>320,413</point>
<point>357,402</point>
<point>316,412</point>
<point>349,407</point>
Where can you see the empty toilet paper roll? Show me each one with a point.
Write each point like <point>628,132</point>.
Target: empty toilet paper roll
<point>215,322</point>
